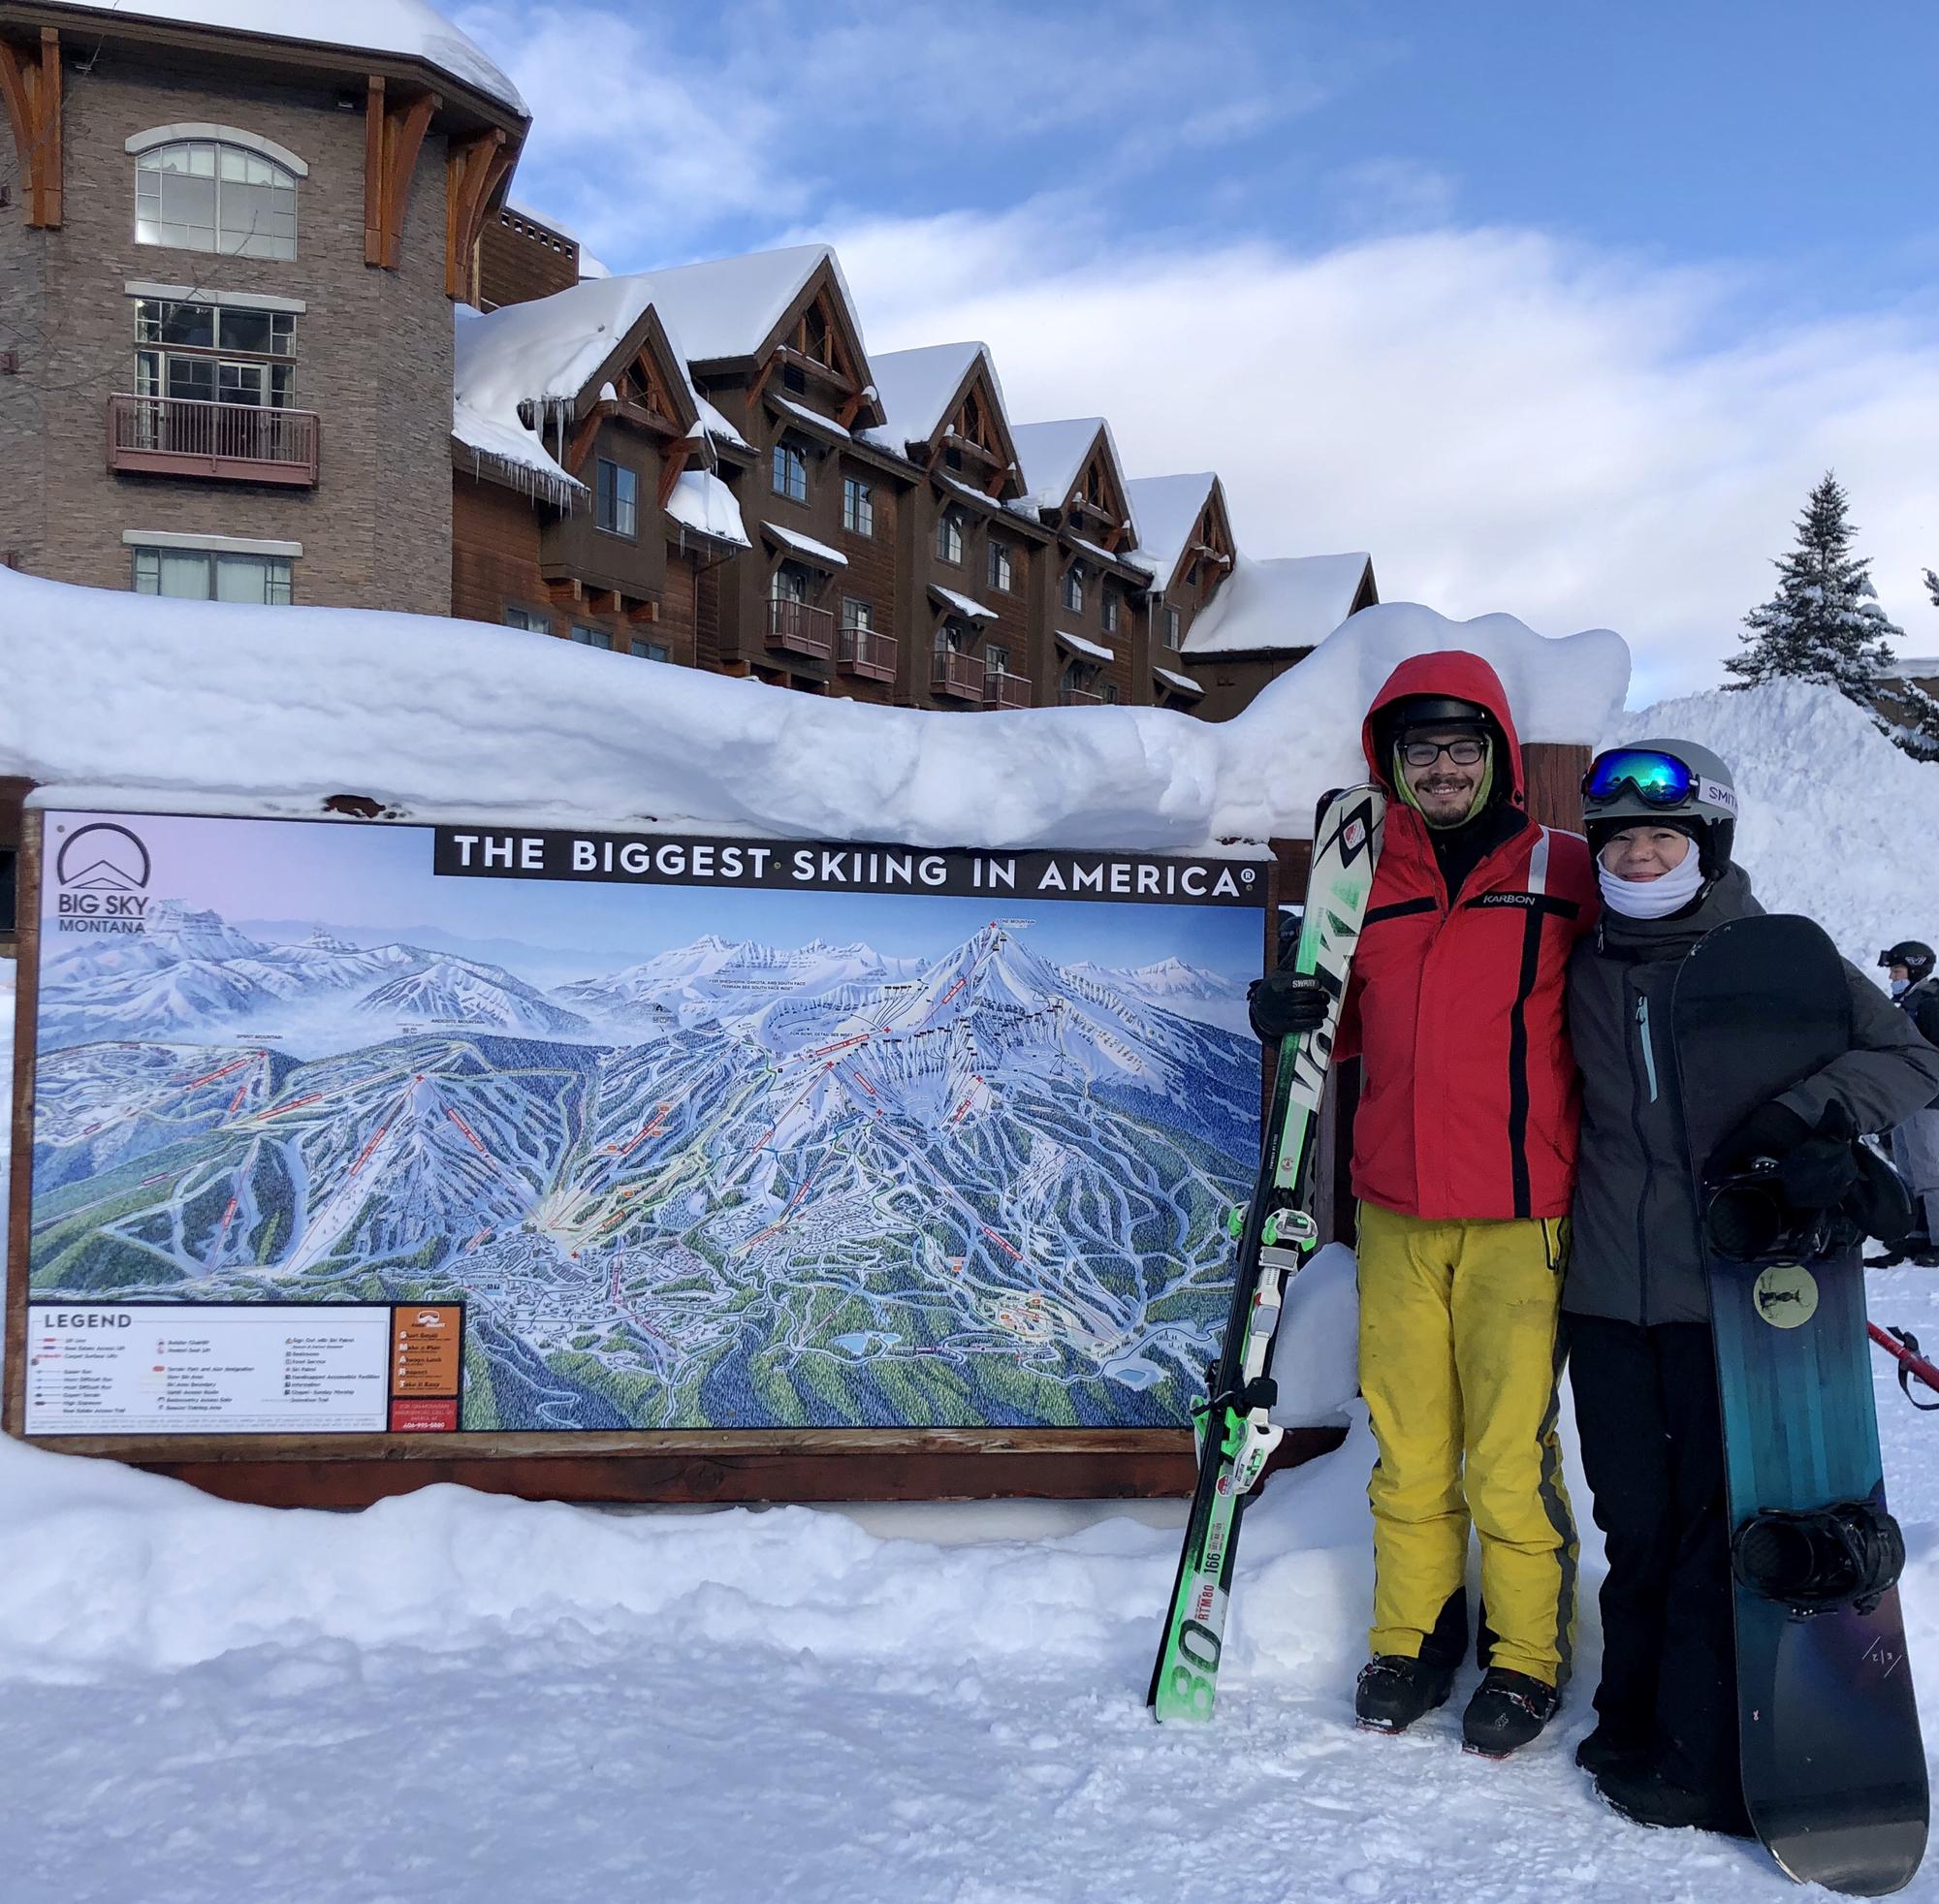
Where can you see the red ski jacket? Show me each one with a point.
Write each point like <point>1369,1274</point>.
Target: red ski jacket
<point>1470,1104</point>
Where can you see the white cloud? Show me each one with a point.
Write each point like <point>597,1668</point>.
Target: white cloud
<point>1507,421</point>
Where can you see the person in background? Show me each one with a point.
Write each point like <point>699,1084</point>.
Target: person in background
<point>1915,1143</point>
<point>1463,1162</point>
<point>1661,818</point>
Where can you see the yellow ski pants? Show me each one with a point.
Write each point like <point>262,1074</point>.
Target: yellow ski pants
<point>1459,1363</point>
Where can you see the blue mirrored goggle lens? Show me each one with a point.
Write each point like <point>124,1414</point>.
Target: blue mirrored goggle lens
<point>1659,778</point>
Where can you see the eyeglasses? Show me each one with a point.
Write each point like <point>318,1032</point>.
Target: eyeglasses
<point>1658,779</point>
<point>1465,752</point>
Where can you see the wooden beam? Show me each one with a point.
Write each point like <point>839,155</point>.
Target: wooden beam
<point>473,172</point>
<point>373,171</point>
<point>760,381</point>
<point>33,93</point>
<point>643,612</point>
<point>586,428</point>
<point>394,135</point>
<point>851,406</point>
<point>672,463</point>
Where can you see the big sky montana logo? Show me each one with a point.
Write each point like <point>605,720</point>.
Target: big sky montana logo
<point>100,875</point>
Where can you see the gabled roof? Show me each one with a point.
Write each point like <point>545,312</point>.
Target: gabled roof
<point>407,28</point>
<point>1167,510</point>
<point>724,308</point>
<point>919,390</point>
<point>547,359</point>
<point>1291,601</point>
<point>1054,456</point>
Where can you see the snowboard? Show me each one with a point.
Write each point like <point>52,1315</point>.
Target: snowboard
<point>1274,1231</point>
<point>1833,1768</point>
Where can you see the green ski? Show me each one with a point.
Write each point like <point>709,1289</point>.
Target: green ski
<point>1274,1231</point>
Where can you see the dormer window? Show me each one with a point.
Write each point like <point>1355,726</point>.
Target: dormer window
<point>952,458</point>
<point>949,535</point>
<point>209,195</point>
<point>1073,588</point>
<point>794,379</point>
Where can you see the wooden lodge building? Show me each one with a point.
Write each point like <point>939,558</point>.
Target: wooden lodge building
<point>271,330</point>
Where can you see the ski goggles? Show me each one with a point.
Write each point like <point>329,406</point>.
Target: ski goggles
<point>1657,779</point>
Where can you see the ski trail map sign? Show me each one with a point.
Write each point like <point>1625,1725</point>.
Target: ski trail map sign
<point>369,1127</point>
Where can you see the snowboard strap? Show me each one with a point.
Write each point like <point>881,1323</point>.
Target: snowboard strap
<point>1910,1343</point>
<point>1818,1560</point>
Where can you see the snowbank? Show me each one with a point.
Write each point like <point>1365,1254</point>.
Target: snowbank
<point>273,709</point>
<point>1834,820</point>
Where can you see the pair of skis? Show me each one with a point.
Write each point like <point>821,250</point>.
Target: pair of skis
<point>1275,1230</point>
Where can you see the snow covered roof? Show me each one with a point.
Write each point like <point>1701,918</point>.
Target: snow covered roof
<point>717,426</point>
<point>590,265</point>
<point>1168,508</point>
<point>805,545</point>
<point>1096,650</point>
<point>114,696</point>
<point>540,356</point>
<point>814,419</point>
<point>409,28</point>
<point>725,307</point>
<point>914,386</point>
<point>962,604</point>
<point>1286,601</point>
<point>1128,558</point>
<point>704,503</point>
<point>1052,456</point>
<point>1183,682</point>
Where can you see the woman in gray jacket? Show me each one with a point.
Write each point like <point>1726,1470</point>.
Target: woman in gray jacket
<point>1660,816</point>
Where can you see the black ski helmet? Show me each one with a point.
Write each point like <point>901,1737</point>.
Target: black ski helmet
<point>1914,954</point>
<point>1707,812</point>
<point>1393,723</point>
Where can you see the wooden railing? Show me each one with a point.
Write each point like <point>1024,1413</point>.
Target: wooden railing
<point>959,675</point>
<point>1003,689</point>
<point>192,436</point>
<point>801,629</point>
<point>868,654</point>
<point>1079,697</point>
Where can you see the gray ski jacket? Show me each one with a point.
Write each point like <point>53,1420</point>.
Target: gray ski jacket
<point>1634,1255</point>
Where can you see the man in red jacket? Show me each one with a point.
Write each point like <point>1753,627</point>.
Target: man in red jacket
<point>1464,1152</point>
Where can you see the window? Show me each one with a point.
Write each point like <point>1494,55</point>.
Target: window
<point>214,353</point>
<point>591,637</point>
<point>790,583</point>
<point>1110,611</point>
<point>954,636</point>
<point>1000,566</point>
<point>526,619</point>
<point>794,379</point>
<point>198,195</point>
<point>1171,627</point>
<point>858,507</point>
<point>649,650</point>
<point>790,472</point>
<point>1073,587</point>
<point>858,618</point>
<point>1110,694</point>
<point>619,499</point>
<point>949,535</point>
<point>212,574</point>
<point>997,660</point>
<point>952,458</point>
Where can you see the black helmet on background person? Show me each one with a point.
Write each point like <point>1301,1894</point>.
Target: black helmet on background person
<point>1914,954</point>
<point>1706,809</point>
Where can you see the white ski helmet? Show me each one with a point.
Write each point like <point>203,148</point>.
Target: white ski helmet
<point>1663,782</point>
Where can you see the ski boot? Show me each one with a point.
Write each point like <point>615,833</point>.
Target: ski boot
<point>1509,1709</point>
<point>1395,1691</point>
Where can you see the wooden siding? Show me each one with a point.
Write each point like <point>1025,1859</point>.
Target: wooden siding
<point>519,259</point>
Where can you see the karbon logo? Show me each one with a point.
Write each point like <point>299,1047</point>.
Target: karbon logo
<point>101,878</point>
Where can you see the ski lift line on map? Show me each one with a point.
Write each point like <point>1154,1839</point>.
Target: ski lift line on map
<point>210,1077</point>
<point>471,1135</point>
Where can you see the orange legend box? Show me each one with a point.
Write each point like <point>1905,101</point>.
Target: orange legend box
<point>427,1349</point>
<point>424,1416</point>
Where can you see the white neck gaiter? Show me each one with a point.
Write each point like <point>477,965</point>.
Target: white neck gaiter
<point>1652,899</point>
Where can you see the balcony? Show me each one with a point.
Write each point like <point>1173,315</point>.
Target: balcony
<point>1003,689</point>
<point>191,436</point>
<point>1079,697</point>
<point>796,628</point>
<point>868,655</point>
<point>958,675</point>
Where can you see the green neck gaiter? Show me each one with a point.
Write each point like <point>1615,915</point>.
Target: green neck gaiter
<point>1483,789</point>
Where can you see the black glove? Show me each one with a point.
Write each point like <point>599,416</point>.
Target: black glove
<point>1771,1132</point>
<point>1820,1174</point>
<point>1283,1003</point>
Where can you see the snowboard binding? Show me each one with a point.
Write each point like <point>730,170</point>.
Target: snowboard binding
<point>1748,1220</point>
<point>1820,1560</point>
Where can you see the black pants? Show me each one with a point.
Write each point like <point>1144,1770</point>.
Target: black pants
<point>1652,1436</point>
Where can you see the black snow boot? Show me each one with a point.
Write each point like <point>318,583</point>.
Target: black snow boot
<point>1507,1710</point>
<point>1601,1753</point>
<point>1646,1798</point>
<point>1394,1692</point>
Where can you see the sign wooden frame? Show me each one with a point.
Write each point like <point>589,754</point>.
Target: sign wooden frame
<point>711,1465</point>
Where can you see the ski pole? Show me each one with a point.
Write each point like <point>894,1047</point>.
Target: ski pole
<point>1903,1345</point>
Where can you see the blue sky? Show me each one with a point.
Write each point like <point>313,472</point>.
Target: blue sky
<point>1557,308</point>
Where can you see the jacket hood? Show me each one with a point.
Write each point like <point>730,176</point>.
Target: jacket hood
<point>1466,676</point>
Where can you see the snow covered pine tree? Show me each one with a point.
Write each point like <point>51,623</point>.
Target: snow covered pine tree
<point>1825,625</point>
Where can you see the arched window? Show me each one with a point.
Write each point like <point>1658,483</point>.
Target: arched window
<point>209,195</point>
